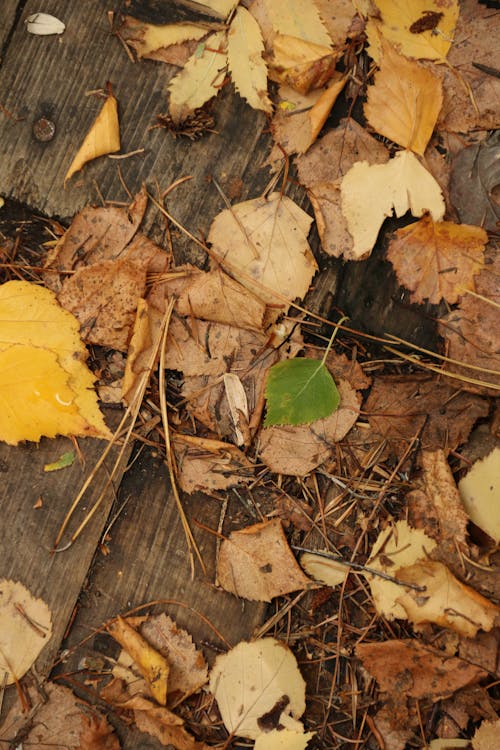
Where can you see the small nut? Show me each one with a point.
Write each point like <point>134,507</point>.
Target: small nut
<point>44,130</point>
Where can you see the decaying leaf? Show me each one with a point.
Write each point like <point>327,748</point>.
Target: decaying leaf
<point>395,548</point>
<point>479,490</point>
<point>300,449</point>
<point>301,64</point>
<point>103,137</point>
<point>97,734</point>
<point>411,668</point>
<point>263,244</point>
<point>486,736</point>
<point>370,193</point>
<point>446,601</point>
<point>151,664</point>
<point>55,394</point>
<point>400,17</point>
<point>252,680</point>
<point>200,78</point>
<point>256,563</point>
<point>207,465</point>
<point>475,177</point>
<point>246,64</point>
<point>283,739</point>
<point>437,260</point>
<point>25,628</point>
<point>323,569</point>
<point>43,24</point>
<point>405,101</point>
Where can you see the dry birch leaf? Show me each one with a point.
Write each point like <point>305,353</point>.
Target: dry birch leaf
<point>404,103</point>
<point>337,16</point>
<point>370,193</point>
<point>200,78</point>
<point>297,18</point>
<point>206,465</point>
<point>283,739</point>
<point>221,8</point>
<point>102,138</point>
<point>437,260</point>
<point>486,736</point>
<point>300,64</point>
<point>252,680</point>
<point>404,25</point>
<point>55,394</point>
<point>25,628</point>
<point>256,563</point>
<point>480,490</point>
<point>246,64</point>
<point>146,38</point>
<point>97,734</point>
<point>322,569</point>
<point>263,244</point>
<point>151,664</point>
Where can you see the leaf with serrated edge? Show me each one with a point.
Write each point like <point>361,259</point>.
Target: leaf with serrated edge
<point>299,18</point>
<point>371,192</point>
<point>299,391</point>
<point>246,64</point>
<point>200,78</point>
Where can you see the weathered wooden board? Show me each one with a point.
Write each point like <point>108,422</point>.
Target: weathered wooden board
<point>7,22</point>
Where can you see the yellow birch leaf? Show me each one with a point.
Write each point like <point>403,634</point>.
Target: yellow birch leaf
<point>32,321</point>
<point>480,493</point>
<point>324,569</point>
<point>301,64</point>
<point>102,138</point>
<point>200,78</point>
<point>283,739</point>
<point>298,18</point>
<point>371,192</point>
<point>246,64</point>
<point>151,664</point>
<point>405,101</point>
<point>149,37</point>
<point>401,24</point>
<point>221,8</point>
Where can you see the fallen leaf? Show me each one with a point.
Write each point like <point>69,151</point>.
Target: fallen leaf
<point>263,244</point>
<point>25,628</point>
<point>446,601</point>
<point>97,734</point>
<point>246,64</point>
<point>337,16</point>
<point>151,664</point>
<point>298,19</point>
<point>187,667</point>
<point>283,739</point>
<point>43,24</point>
<point>437,260</point>
<point>41,340</point>
<point>300,64</point>
<point>299,391</point>
<point>252,680</point>
<point>404,102</point>
<point>256,563</point>
<point>411,668</point>
<point>300,449</point>
<point>200,78</point>
<point>402,408</point>
<point>397,19</point>
<point>322,569</point>
<point>370,193</point>
<point>62,462</point>
<point>486,736</point>
<point>479,490</point>
<point>238,407</point>
<point>396,548</point>
<point>475,176</point>
<point>103,137</point>
<point>148,38</point>
<point>221,8</point>
<point>455,744</point>
<point>205,465</point>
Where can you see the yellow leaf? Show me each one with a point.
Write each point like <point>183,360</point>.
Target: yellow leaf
<point>41,340</point>
<point>480,493</point>
<point>324,569</point>
<point>283,739</point>
<point>301,64</point>
<point>149,37</point>
<point>221,8</point>
<point>401,21</point>
<point>405,101</point>
<point>370,193</point>
<point>246,64</point>
<point>297,18</point>
<point>102,138</point>
<point>151,664</point>
<point>200,78</point>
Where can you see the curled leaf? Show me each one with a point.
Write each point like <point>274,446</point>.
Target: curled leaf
<point>102,138</point>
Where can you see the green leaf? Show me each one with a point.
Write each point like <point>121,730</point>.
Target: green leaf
<point>62,462</point>
<point>299,391</point>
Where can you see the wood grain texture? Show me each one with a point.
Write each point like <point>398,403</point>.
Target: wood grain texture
<point>7,21</point>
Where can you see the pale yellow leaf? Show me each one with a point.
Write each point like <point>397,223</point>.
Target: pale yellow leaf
<point>322,569</point>
<point>263,244</point>
<point>238,405</point>
<point>405,101</point>
<point>253,678</point>
<point>246,64</point>
<point>398,16</point>
<point>221,8</point>
<point>149,37</point>
<point>370,193</point>
<point>32,319</point>
<point>102,138</point>
<point>480,493</point>
<point>298,18</point>
<point>486,736</point>
<point>284,739</point>
<point>25,628</point>
<point>200,78</point>
<point>301,64</point>
<point>396,547</point>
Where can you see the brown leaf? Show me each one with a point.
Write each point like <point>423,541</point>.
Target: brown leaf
<point>337,16</point>
<point>206,465</point>
<point>299,450</point>
<point>395,723</point>
<point>97,734</point>
<point>256,563</point>
<point>404,407</point>
<point>410,668</point>
<point>437,260</point>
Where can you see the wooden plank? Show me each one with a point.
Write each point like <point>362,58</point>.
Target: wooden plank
<point>7,22</point>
